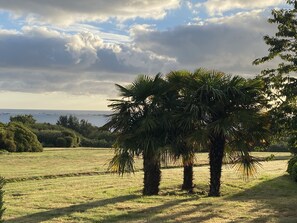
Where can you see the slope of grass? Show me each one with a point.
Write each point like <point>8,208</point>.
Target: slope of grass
<point>270,197</point>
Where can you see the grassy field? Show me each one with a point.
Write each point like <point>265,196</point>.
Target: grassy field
<point>70,185</point>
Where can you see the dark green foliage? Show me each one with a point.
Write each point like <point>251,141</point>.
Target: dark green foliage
<point>277,148</point>
<point>7,139</point>
<point>98,138</point>
<point>71,141</point>
<point>92,136</point>
<point>281,81</point>
<point>15,137</point>
<point>70,122</point>
<point>225,111</point>
<point>139,119</point>
<point>291,162</point>
<point>294,172</point>
<point>60,142</point>
<point>99,143</point>
<point>85,135</point>
<point>2,209</point>
<point>25,139</point>
<point>25,119</point>
<point>292,143</point>
<point>58,138</point>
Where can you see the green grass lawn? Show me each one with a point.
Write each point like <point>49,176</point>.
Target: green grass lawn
<point>269,197</point>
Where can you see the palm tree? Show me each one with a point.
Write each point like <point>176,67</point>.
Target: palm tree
<point>229,113</point>
<point>181,126</point>
<point>139,119</point>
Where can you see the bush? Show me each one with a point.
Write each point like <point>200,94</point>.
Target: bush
<point>277,148</point>
<point>58,138</point>
<point>294,172</point>
<point>291,163</point>
<point>292,143</point>
<point>25,139</point>
<point>6,140</point>
<point>102,143</point>
<point>60,142</point>
<point>2,209</point>
<point>15,137</point>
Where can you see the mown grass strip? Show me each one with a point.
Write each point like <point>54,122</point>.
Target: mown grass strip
<point>92,173</point>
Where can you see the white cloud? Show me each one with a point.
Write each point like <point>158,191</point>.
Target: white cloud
<point>83,28</point>
<point>218,7</point>
<point>39,59</point>
<point>83,48</point>
<point>66,12</point>
<point>229,43</point>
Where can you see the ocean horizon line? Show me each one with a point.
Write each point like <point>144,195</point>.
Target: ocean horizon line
<point>97,118</point>
<point>45,109</point>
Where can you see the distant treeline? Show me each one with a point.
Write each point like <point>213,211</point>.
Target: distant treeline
<point>24,134</point>
<point>69,131</point>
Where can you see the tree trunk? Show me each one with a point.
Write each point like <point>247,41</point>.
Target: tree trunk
<point>216,153</point>
<point>188,175</point>
<point>188,178</point>
<point>152,175</point>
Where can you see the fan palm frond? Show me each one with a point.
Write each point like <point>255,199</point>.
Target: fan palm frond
<point>122,162</point>
<point>246,165</point>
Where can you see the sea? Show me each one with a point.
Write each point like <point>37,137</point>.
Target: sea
<point>96,118</point>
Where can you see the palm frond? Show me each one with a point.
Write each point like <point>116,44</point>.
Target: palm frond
<point>122,162</point>
<point>245,164</point>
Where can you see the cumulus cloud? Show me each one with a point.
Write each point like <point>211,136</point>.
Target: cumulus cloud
<point>230,44</point>
<point>68,11</point>
<point>215,7</point>
<point>83,48</point>
<point>39,59</point>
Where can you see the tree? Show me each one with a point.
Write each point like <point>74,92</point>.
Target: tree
<point>181,128</point>
<point>139,120</point>
<point>25,119</point>
<point>70,122</point>
<point>228,113</point>
<point>281,81</point>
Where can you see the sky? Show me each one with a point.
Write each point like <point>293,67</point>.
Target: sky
<point>68,54</point>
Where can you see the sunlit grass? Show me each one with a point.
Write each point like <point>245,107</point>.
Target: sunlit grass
<point>269,197</point>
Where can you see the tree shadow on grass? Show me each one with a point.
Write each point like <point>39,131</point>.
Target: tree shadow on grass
<point>58,212</point>
<point>148,214</point>
<point>276,200</point>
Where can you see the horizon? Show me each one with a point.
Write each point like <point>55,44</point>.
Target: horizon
<point>44,109</point>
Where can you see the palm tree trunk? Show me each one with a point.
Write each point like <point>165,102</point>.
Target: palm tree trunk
<point>152,175</point>
<point>216,153</point>
<point>188,176</point>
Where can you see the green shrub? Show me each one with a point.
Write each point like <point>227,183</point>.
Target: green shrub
<point>102,143</point>
<point>294,172</point>
<point>25,139</point>
<point>292,143</point>
<point>2,209</point>
<point>291,163</point>
<point>71,141</point>
<point>15,137</point>
<point>58,138</point>
<point>277,148</point>
<point>61,142</point>
<point>6,140</point>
